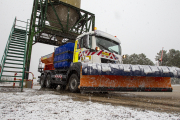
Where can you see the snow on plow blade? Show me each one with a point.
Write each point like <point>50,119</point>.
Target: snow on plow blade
<point>125,77</point>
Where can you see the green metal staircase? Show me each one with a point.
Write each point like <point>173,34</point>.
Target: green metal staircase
<point>14,57</point>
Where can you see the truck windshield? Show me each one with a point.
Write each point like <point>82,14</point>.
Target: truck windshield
<point>109,45</point>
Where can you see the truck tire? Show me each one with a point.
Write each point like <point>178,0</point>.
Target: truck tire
<point>48,81</point>
<point>42,81</point>
<point>74,83</point>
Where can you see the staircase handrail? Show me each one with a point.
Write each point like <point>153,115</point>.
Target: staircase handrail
<point>7,47</point>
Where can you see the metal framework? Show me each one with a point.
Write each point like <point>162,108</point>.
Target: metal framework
<point>41,31</point>
<point>14,57</point>
<point>46,33</point>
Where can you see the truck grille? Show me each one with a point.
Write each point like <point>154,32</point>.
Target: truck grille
<point>103,60</point>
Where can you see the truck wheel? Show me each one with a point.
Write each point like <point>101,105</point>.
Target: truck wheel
<point>48,81</point>
<point>42,81</point>
<point>74,83</point>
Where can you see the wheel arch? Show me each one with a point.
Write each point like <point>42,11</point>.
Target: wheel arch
<point>72,72</point>
<point>74,69</point>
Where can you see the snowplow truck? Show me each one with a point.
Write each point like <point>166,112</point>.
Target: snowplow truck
<point>94,63</point>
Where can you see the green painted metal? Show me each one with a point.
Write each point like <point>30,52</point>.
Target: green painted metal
<point>17,48</point>
<point>23,75</point>
<point>13,71</point>
<point>6,49</point>
<point>17,40</point>
<point>45,13</point>
<point>39,25</point>
<point>15,53</point>
<point>13,67</point>
<point>78,22</point>
<point>31,35</point>
<point>11,76</point>
<point>17,45</point>
<point>11,54</point>
<point>10,81</point>
<point>85,20</point>
<point>13,63</point>
<point>14,60</point>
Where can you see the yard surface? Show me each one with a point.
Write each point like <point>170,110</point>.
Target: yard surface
<point>44,104</point>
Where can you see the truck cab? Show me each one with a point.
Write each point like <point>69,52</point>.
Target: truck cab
<point>97,47</point>
<point>64,66</point>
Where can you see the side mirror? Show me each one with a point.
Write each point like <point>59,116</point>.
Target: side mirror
<point>86,41</point>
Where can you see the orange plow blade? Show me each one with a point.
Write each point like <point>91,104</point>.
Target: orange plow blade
<point>125,77</point>
<point>125,83</point>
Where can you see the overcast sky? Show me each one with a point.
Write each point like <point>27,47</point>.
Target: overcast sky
<point>143,26</point>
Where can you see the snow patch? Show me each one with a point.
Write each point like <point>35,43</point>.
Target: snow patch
<point>146,69</point>
<point>31,105</point>
<point>127,67</point>
<point>135,67</point>
<point>106,67</point>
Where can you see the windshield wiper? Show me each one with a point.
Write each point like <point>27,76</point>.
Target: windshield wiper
<point>113,51</point>
<point>108,49</point>
<point>103,47</point>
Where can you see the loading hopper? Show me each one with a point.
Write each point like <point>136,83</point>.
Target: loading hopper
<point>62,22</point>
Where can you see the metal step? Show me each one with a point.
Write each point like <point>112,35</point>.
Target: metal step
<point>15,53</point>
<point>13,63</point>
<point>12,67</point>
<point>14,56</point>
<point>10,76</point>
<point>13,71</point>
<point>15,60</point>
<point>11,81</point>
<point>19,30</point>
<point>16,50</point>
<point>18,36</point>
<point>18,33</point>
<point>16,45</point>
<point>21,43</point>
<point>13,40</point>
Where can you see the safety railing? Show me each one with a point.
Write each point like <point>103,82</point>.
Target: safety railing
<point>7,47</point>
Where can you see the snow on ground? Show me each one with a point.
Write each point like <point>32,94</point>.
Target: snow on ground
<point>43,105</point>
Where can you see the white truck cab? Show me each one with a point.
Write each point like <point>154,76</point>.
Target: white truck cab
<point>97,47</point>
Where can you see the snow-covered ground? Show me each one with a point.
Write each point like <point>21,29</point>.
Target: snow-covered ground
<point>44,105</point>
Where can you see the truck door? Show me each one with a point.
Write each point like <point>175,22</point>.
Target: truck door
<point>76,52</point>
<point>80,46</point>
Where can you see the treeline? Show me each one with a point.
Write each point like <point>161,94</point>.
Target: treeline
<point>135,59</point>
<point>170,58</point>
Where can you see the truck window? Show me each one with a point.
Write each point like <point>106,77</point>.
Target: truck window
<point>107,44</point>
<point>80,43</point>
